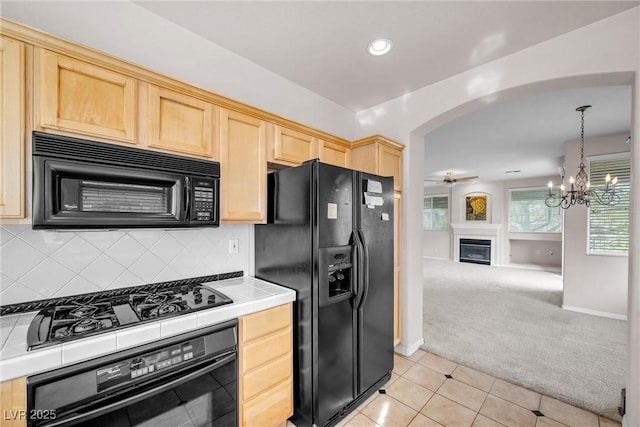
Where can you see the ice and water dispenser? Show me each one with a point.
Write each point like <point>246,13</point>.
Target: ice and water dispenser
<point>336,272</point>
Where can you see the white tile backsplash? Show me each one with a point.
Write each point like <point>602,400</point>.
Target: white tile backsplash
<point>39,264</point>
<point>76,254</point>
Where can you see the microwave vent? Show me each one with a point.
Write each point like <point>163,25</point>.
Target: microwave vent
<point>91,151</point>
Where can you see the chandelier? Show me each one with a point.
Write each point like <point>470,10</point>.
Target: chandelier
<point>581,192</point>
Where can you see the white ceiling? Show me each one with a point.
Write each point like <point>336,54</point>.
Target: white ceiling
<point>525,135</point>
<point>321,45</point>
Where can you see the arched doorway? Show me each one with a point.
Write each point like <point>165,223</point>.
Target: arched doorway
<point>412,245</point>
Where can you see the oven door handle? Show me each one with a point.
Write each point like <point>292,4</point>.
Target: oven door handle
<point>143,395</point>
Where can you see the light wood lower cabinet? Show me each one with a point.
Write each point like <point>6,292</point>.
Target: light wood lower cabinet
<point>243,168</point>
<point>13,407</point>
<point>75,96</point>
<point>12,125</point>
<point>265,389</point>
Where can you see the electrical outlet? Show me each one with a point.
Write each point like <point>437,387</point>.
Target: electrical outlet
<point>233,246</point>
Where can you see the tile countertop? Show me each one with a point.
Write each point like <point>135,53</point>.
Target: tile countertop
<point>249,295</point>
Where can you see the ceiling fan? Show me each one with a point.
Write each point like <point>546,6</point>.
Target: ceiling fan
<point>451,181</point>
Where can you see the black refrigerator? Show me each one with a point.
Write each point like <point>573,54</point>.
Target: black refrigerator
<point>329,236</point>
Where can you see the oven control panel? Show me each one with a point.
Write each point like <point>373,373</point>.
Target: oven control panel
<point>145,365</point>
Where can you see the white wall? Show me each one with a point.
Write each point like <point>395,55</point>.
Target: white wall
<point>591,282</point>
<point>130,32</point>
<point>632,418</point>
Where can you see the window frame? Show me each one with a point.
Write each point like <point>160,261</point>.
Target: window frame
<point>534,188</point>
<point>424,196</point>
<point>604,157</point>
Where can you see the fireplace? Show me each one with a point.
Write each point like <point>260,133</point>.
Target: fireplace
<point>477,251</point>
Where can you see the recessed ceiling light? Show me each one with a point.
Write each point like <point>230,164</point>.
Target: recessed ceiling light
<point>379,47</point>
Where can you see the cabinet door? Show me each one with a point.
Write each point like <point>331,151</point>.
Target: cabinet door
<point>243,167</point>
<point>390,164</point>
<point>14,402</point>
<point>335,154</point>
<point>12,113</point>
<point>265,377</point>
<point>86,99</point>
<point>397,223</point>
<point>365,158</point>
<point>291,147</point>
<point>179,123</point>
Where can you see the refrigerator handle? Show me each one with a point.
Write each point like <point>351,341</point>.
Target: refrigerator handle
<point>364,284</point>
<point>356,283</point>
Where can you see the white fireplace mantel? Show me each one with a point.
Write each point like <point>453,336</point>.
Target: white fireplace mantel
<point>474,230</point>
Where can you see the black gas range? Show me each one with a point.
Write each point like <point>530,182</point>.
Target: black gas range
<point>69,318</point>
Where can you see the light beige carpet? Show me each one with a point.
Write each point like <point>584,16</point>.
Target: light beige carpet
<point>509,323</point>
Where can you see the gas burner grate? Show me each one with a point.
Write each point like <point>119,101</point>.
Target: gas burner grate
<point>88,314</point>
<point>25,307</point>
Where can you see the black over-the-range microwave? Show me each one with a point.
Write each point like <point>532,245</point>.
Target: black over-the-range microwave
<point>86,184</point>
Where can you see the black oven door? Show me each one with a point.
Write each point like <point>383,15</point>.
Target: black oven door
<point>74,194</point>
<point>193,383</point>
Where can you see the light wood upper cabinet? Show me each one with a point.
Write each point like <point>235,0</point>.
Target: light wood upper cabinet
<point>290,147</point>
<point>243,167</point>
<point>390,164</point>
<point>12,125</point>
<point>335,154</point>
<point>78,97</point>
<point>265,387</point>
<point>380,156</point>
<point>178,122</point>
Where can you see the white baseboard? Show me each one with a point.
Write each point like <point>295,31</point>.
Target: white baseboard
<point>409,350</point>
<point>595,312</point>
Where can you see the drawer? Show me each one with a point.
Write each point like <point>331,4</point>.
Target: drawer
<point>270,408</point>
<point>264,322</point>
<point>266,376</point>
<point>262,351</point>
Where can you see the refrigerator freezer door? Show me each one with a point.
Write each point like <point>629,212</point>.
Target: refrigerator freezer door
<point>336,349</point>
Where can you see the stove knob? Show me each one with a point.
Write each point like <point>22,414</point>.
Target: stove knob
<point>211,299</point>
<point>184,290</point>
<point>198,298</point>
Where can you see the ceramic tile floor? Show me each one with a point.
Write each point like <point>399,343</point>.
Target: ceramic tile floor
<point>427,390</point>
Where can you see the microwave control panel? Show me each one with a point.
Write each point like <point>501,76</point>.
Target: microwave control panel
<point>203,200</point>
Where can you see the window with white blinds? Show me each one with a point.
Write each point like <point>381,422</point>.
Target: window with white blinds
<point>529,214</point>
<point>435,215</point>
<point>609,225</point>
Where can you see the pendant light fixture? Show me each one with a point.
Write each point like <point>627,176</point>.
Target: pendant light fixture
<point>580,191</point>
